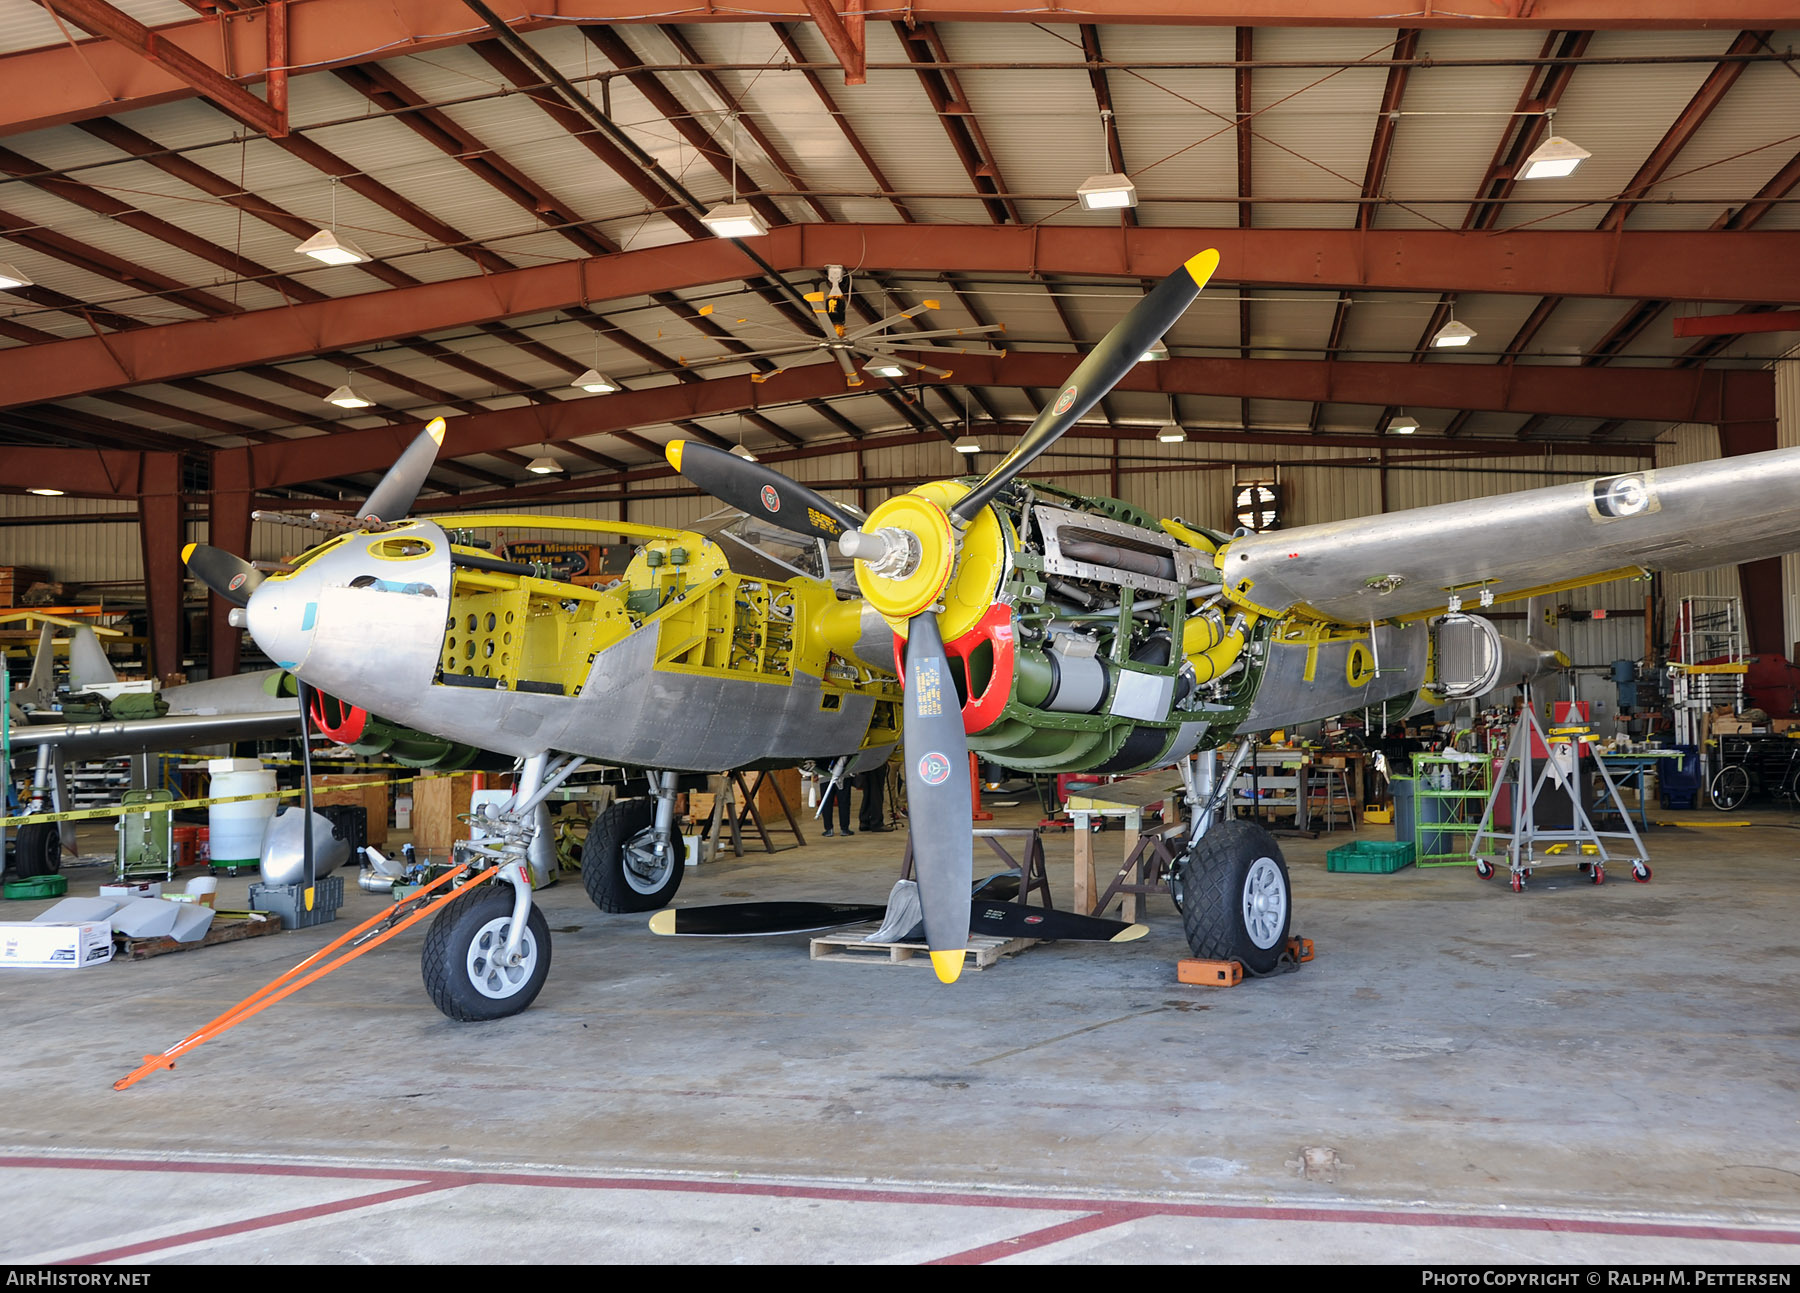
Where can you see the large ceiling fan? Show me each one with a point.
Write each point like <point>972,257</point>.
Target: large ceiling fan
<point>877,349</point>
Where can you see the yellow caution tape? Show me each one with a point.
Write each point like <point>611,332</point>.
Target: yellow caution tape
<point>87,814</point>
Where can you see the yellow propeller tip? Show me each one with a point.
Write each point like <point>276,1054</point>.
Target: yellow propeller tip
<point>1130,934</point>
<point>435,429</point>
<point>1201,267</point>
<point>187,552</point>
<point>672,451</point>
<point>948,965</point>
<point>663,922</point>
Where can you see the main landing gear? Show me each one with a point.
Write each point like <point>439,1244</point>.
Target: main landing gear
<point>633,860</point>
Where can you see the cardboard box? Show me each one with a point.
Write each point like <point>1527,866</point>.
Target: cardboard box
<point>372,799</point>
<point>55,947</point>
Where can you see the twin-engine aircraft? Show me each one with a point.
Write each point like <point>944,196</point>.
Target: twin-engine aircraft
<point>1046,631</point>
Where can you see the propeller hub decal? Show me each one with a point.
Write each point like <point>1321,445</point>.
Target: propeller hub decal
<point>1066,399</point>
<point>934,769</point>
<point>770,498</point>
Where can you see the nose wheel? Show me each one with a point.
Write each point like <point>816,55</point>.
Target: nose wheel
<point>467,971</point>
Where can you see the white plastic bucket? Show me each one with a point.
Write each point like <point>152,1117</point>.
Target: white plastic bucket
<point>236,830</point>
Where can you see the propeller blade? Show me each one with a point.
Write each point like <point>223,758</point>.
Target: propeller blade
<point>755,489</point>
<point>399,489</point>
<point>937,790</point>
<point>228,575</point>
<point>1116,355</point>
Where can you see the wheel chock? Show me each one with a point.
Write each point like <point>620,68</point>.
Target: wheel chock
<point>1211,974</point>
<point>1301,949</point>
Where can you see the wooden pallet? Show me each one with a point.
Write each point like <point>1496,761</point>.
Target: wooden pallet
<point>847,945</point>
<point>227,927</point>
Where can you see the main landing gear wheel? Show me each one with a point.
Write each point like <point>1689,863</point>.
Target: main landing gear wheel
<point>464,967</point>
<point>37,850</point>
<point>1729,787</point>
<point>619,865</point>
<point>1236,902</point>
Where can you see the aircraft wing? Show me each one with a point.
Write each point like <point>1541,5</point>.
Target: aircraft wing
<point>108,737</point>
<point>1408,564</point>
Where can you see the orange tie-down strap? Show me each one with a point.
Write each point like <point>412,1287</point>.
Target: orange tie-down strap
<point>291,981</point>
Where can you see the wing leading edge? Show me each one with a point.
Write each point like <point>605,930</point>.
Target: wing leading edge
<point>1405,564</point>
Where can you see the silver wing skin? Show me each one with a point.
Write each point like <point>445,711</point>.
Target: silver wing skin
<point>213,712</point>
<point>1411,563</point>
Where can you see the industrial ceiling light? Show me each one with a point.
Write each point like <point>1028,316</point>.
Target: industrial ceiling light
<point>738,451</point>
<point>1403,425</point>
<point>1453,334</point>
<point>595,382</point>
<point>47,493</point>
<point>326,246</point>
<point>1110,192</point>
<point>1171,433</point>
<point>1157,352</point>
<point>1554,158</point>
<point>968,444</point>
<point>12,276</point>
<point>734,220</point>
<point>345,398</point>
<point>884,368</point>
<point>543,465</point>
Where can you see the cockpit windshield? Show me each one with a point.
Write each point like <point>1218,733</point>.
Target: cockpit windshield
<point>761,550</point>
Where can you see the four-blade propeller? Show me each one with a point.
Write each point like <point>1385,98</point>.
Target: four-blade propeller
<point>906,554</point>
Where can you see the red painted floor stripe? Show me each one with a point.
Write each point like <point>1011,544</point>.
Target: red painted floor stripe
<point>431,1178</point>
<point>1040,1238</point>
<point>252,1223</point>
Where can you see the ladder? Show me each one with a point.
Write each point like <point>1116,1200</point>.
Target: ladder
<point>1707,669</point>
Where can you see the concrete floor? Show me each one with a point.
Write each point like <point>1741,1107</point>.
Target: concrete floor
<point>1576,1074</point>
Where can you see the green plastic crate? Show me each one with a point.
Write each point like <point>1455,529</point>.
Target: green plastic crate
<point>1370,857</point>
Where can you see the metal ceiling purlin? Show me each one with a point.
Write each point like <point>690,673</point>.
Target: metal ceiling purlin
<point>1544,87</point>
<point>1381,147</point>
<point>1675,138</point>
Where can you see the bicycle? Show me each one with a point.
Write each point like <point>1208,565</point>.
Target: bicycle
<point>1734,782</point>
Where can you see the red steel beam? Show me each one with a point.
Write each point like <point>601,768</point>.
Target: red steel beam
<point>1713,325</point>
<point>207,81</point>
<point>1728,267</point>
<point>1667,395</point>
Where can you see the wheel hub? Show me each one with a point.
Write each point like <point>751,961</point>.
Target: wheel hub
<point>490,973</point>
<point>1265,903</point>
<point>644,870</point>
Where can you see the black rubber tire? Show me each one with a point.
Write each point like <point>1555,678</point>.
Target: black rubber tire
<point>603,860</point>
<point>1730,786</point>
<point>484,913</point>
<point>37,850</point>
<point>1214,875</point>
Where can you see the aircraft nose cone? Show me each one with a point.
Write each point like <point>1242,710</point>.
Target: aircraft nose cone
<point>280,617</point>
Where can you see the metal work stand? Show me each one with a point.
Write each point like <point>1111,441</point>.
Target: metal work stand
<point>1033,876</point>
<point>1564,764</point>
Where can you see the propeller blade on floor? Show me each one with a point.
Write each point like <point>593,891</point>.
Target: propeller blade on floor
<point>937,789</point>
<point>399,489</point>
<point>230,576</point>
<point>760,919</point>
<point>1118,352</point>
<point>759,491</point>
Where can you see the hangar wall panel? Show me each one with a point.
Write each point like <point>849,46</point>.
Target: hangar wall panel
<point>1787,436</point>
<point>72,552</point>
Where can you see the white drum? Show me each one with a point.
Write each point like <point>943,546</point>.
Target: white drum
<point>235,831</point>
